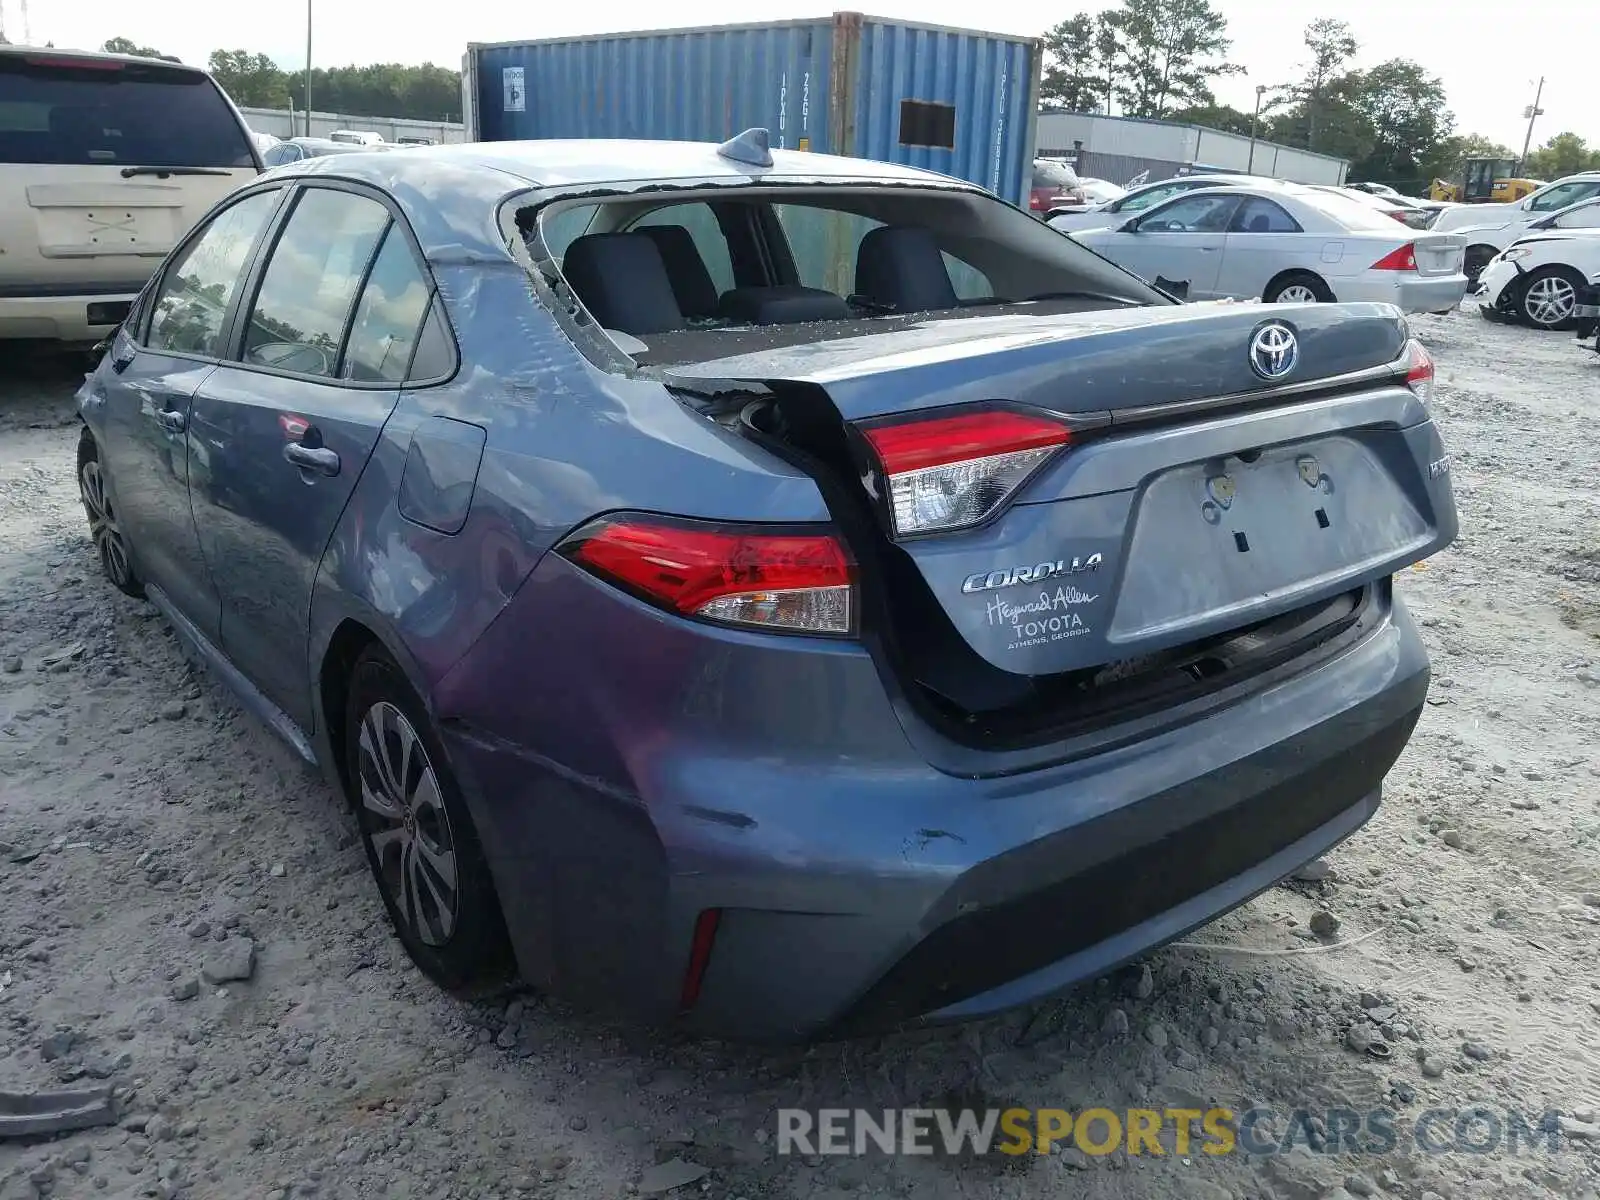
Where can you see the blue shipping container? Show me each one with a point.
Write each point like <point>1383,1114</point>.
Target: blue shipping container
<point>950,100</point>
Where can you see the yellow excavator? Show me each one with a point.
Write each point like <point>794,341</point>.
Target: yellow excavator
<point>1484,181</point>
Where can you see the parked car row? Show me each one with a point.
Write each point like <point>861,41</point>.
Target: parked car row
<point>1213,238</point>
<point>1540,278</point>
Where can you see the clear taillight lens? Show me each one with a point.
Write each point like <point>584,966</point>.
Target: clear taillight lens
<point>788,581</point>
<point>945,473</point>
<point>1419,372</point>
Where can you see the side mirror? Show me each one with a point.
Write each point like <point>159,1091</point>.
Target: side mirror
<point>1129,226</point>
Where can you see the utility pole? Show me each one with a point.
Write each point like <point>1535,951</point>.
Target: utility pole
<point>308,68</point>
<point>1531,112</point>
<point>1255,120</point>
<point>27,29</point>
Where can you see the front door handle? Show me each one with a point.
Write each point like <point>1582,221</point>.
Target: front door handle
<point>171,420</point>
<point>312,458</point>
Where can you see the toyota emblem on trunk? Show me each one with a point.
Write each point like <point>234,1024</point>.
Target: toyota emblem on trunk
<point>1274,351</point>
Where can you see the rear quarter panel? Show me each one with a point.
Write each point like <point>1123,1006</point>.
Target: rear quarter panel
<point>563,442</point>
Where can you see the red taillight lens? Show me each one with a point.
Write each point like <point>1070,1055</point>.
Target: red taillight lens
<point>1419,371</point>
<point>950,472</point>
<point>1398,215</point>
<point>794,582</point>
<point>1402,259</point>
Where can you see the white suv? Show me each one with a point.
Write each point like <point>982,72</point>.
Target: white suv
<point>1490,228</point>
<point>106,162</point>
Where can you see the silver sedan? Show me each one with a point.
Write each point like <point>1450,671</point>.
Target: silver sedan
<point>1284,244</point>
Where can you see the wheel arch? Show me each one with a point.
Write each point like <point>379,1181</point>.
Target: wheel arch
<point>1283,277</point>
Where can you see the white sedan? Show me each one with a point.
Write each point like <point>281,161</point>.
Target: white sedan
<point>1284,245</point>
<point>1538,279</point>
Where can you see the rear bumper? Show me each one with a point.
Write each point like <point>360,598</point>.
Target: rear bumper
<point>1416,294</point>
<point>69,318</point>
<point>858,886</point>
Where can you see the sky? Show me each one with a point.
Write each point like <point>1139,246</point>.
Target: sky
<point>1489,80</point>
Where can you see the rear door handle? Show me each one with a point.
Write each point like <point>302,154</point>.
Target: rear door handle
<point>312,458</point>
<point>171,420</point>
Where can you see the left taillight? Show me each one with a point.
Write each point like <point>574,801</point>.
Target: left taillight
<point>1419,371</point>
<point>1404,258</point>
<point>789,580</point>
<point>951,472</point>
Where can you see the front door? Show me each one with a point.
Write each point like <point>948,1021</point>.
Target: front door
<point>289,425</point>
<point>147,404</point>
<point>1180,242</point>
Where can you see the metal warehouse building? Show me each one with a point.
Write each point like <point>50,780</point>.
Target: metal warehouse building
<point>1118,148</point>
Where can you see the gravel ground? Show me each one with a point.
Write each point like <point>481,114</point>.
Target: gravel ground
<point>155,841</point>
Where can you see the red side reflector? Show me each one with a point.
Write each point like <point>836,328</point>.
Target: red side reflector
<point>1402,259</point>
<point>705,933</point>
<point>918,445</point>
<point>685,566</point>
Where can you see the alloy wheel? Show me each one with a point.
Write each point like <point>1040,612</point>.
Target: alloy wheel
<point>403,816</point>
<point>1549,300</point>
<point>103,527</point>
<point>1297,293</point>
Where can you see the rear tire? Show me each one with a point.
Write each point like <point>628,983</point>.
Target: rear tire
<point>1297,287</point>
<point>419,837</point>
<point>110,543</point>
<point>1549,296</point>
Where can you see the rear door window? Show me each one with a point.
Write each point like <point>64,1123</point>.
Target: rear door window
<point>1256,215</point>
<point>66,112</point>
<point>309,287</point>
<point>192,300</point>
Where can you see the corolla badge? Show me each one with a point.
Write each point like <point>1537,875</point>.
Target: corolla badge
<point>988,581</point>
<point>1274,350</point>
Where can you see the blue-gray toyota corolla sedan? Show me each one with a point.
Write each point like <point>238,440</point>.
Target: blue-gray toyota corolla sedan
<point>782,594</point>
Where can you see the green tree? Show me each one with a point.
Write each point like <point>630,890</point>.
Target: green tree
<point>1404,107</point>
<point>1332,46</point>
<point>250,79</point>
<point>1564,154</point>
<point>122,45</point>
<point>1213,116</point>
<point>1070,79</point>
<point>1172,50</point>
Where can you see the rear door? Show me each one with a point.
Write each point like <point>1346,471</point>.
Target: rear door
<point>323,346</point>
<point>105,164</point>
<point>1263,239</point>
<point>145,397</point>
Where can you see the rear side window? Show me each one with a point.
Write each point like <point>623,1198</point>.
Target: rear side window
<point>54,111</point>
<point>197,288</point>
<point>303,305</point>
<point>1256,215</point>
<point>388,316</point>
<point>283,152</point>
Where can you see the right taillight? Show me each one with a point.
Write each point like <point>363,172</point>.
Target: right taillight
<point>1419,371</point>
<point>793,581</point>
<point>1402,259</point>
<point>949,472</point>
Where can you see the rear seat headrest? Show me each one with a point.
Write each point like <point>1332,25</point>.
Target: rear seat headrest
<point>901,266</point>
<point>691,280</point>
<point>622,281</point>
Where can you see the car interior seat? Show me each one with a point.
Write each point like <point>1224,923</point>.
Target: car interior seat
<point>623,282</point>
<point>901,268</point>
<point>687,271</point>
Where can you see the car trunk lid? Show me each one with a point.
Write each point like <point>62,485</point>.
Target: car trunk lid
<point>1196,496</point>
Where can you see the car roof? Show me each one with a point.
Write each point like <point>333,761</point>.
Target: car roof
<point>598,162</point>
<point>451,193</point>
<point>54,55</point>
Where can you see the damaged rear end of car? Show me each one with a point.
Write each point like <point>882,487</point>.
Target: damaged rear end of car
<point>1101,621</point>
